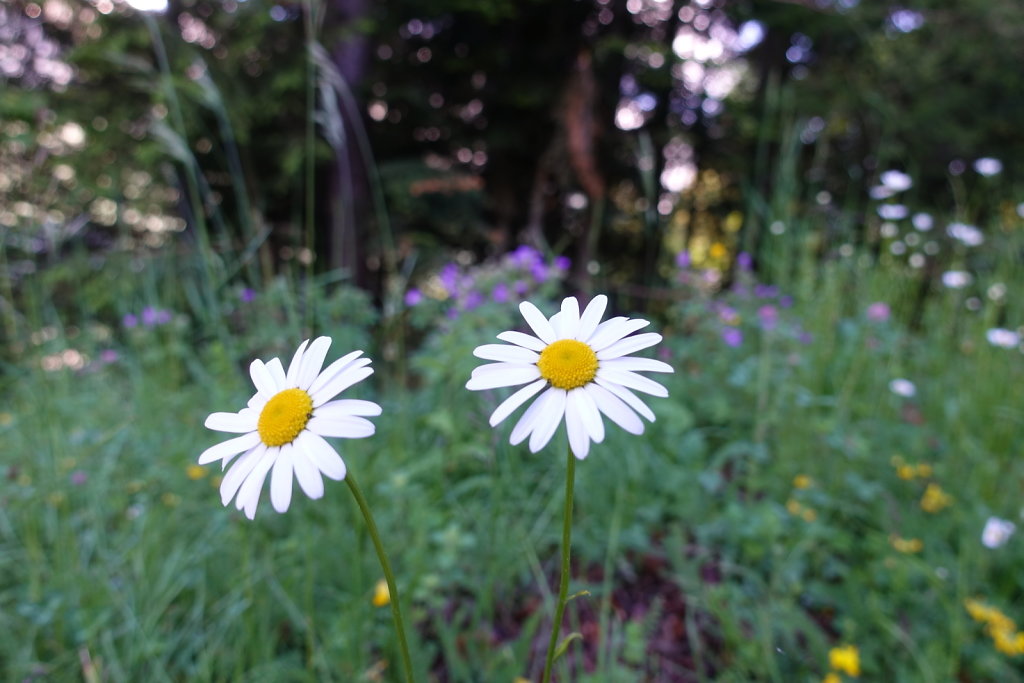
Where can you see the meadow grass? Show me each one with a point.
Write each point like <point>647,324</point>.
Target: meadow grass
<point>772,512</point>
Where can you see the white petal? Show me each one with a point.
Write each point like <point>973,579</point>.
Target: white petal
<point>533,413</point>
<point>262,378</point>
<point>517,399</point>
<point>506,353</point>
<point>321,454</point>
<point>335,368</point>
<point>229,448</point>
<point>569,324</point>
<point>522,339</point>
<point>617,411</point>
<point>637,364</point>
<point>249,495</point>
<point>501,375</point>
<point>339,384</point>
<point>307,473</point>
<point>345,407</point>
<point>342,427</point>
<point>629,345</point>
<point>235,423</point>
<point>238,472</point>
<point>258,402</point>
<point>631,399</point>
<point>276,371</point>
<point>611,331</point>
<point>588,413</point>
<point>591,317</point>
<point>281,480</point>
<point>292,378</point>
<point>579,439</point>
<point>632,381</point>
<point>313,361</point>
<point>548,423</point>
<point>537,322</point>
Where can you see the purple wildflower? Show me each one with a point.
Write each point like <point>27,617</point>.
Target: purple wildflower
<point>450,277</point>
<point>563,263</point>
<point>732,336</point>
<point>683,260</point>
<point>539,271</point>
<point>473,299</point>
<point>129,320</point>
<point>786,301</point>
<point>79,477</point>
<point>163,317</point>
<point>878,312</point>
<point>500,293</point>
<point>413,297</point>
<point>744,261</point>
<point>109,356</point>
<point>520,287</point>
<point>769,316</point>
<point>148,316</point>
<point>524,256</point>
<point>765,291</point>
<point>247,295</point>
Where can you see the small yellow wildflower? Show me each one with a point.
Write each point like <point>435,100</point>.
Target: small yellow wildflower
<point>924,470</point>
<point>381,594</point>
<point>717,251</point>
<point>906,545</point>
<point>906,472</point>
<point>845,659</point>
<point>1001,628</point>
<point>809,515</point>
<point>802,481</point>
<point>934,498</point>
<point>520,679</point>
<point>196,472</point>
<point>793,507</point>
<point>831,677</point>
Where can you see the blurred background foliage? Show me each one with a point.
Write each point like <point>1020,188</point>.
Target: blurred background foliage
<point>615,133</point>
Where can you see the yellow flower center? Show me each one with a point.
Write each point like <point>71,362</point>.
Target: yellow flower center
<point>284,417</point>
<point>568,364</point>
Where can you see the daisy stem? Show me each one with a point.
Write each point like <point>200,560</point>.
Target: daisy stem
<point>563,582</point>
<point>396,610</point>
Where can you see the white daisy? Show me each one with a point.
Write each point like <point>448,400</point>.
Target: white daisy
<point>581,366</point>
<point>284,426</point>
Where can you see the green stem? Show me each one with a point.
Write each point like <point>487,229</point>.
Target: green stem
<point>563,582</point>
<point>396,610</point>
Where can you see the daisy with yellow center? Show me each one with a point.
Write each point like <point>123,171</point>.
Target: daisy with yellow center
<point>283,427</point>
<point>581,368</point>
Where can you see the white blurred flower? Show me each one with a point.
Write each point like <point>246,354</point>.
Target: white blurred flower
<point>902,387</point>
<point>892,212</point>
<point>967,234</point>
<point>1003,338</point>
<point>997,532</point>
<point>987,166</point>
<point>956,279</point>
<point>892,183</point>
<point>922,221</point>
